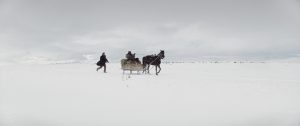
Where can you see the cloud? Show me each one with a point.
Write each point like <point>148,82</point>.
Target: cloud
<point>185,29</point>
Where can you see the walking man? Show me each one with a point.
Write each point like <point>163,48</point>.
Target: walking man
<point>102,62</point>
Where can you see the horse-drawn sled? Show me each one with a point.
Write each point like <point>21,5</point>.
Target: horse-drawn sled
<point>134,64</point>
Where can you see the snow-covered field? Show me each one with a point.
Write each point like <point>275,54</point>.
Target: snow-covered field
<point>184,94</point>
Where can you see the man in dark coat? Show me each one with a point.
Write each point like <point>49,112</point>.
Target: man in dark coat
<point>130,56</point>
<point>102,62</point>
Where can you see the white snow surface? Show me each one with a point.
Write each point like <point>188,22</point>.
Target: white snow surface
<point>183,94</point>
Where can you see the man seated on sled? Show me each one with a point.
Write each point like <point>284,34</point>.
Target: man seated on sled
<point>131,57</point>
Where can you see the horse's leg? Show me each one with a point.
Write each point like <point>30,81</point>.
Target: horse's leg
<point>144,68</point>
<point>148,71</point>
<point>156,69</point>
<point>159,68</point>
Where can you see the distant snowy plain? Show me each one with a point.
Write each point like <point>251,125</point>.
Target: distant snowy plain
<point>183,94</point>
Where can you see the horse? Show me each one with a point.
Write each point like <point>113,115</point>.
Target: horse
<point>153,60</point>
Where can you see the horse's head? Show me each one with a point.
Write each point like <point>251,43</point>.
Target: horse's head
<point>162,54</point>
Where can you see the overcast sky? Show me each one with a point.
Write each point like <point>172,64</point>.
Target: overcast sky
<point>183,28</point>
